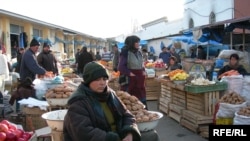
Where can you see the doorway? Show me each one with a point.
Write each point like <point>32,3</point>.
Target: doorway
<point>14,42</point>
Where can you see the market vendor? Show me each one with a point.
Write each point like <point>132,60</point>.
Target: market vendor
<point>233,65</point>
<point>29,65</point>
<point>173,64</point>
<point>95,112</point>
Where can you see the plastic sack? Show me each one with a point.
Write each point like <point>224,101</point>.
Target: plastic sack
<point>235,83</point>
<point>40,87</point>
<point>246,89</point>
<point>225,54</point>
<point>241,120</point>
<point>227,110</point>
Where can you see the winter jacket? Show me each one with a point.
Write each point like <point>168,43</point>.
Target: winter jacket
<point>48,62</point>
<point>85,119</point>
<point>84,58</point>
<point>29,66</point>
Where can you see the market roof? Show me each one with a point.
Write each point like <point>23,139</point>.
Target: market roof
<point>229,21</point>
<point>12,14</point>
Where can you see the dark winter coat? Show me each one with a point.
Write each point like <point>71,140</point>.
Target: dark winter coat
<point>84,58</point>
<point>85,119</point>
<point>48,61</point>
<point>29,66</point>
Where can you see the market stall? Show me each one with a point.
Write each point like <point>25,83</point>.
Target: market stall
<point>190,103</point>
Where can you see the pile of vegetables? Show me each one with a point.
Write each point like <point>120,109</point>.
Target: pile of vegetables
<point>229,73</point>
<point>232,98</point>
<point>244,111</point>
<point>60,91</point>
<point>136,107</point>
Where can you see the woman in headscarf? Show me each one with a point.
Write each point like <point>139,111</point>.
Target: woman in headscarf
<point>132,69</point>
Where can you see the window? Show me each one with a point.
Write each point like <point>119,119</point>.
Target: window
<point>37,32</point>
<point>212,18</point>
<point>191,23</point>
<point>16,29</point>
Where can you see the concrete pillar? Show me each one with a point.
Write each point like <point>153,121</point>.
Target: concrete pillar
<point>28,29</point>
<point>5,36</point>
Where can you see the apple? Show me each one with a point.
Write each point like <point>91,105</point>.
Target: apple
<point>26,135</point>
<point>18,133</point>
<point>22,131</point>
<point>12,126</point>
<point>3,127</point>
<point>6,122</point>
<point>10,135</point>
<point>2,136</point>
<point>21,139</point>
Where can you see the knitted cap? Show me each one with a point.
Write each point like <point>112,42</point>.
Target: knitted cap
<point>93,71</point>
<point>34,42</point>
<point>46,45</point>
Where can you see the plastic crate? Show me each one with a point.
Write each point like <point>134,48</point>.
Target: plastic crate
<point>224,121</point>
<point>219,86</point>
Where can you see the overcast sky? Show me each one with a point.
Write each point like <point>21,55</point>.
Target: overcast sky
<point>99,18</point>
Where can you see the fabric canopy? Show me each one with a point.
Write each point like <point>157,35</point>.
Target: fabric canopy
<point>142,42</point>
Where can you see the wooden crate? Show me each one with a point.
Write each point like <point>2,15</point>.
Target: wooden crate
<point>163,108</point>
<point>203,103</point>
<point>196,122</point>
<point>34,114</point>
<point>178,97</point>
<point>153,88</point>
<point>165,97</point>
<point>175,111</point>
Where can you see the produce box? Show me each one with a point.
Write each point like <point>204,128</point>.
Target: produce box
<point>33,118</point>
<point>153,88</point>
<point>195,89</point>
<point>203,103</point>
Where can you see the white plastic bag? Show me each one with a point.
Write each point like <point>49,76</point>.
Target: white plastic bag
<point>235,83</point>
<point>40,87</point>
<point>227,110</point>
<point>241,120</point>
<point>246,89</point>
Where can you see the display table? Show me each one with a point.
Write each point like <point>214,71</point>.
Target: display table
<point>192,106</point>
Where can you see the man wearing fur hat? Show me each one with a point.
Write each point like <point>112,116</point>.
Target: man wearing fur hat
<point>29,65</point>
<point>95,113</point>
<point>47,60</point>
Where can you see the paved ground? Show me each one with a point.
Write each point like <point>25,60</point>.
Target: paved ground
<point>170,130</point>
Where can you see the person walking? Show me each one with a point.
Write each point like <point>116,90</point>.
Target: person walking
<point>106,55</point>
<point>47,60</point>
<point>95,112</point>
<point>131,67</point>
<point>77,54</point>
<point>98,56</point>
<point>84,58</point>
<point>115,57</point>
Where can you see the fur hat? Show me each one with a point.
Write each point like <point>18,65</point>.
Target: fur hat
<point>34,42</point>
<point>93,71</point>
